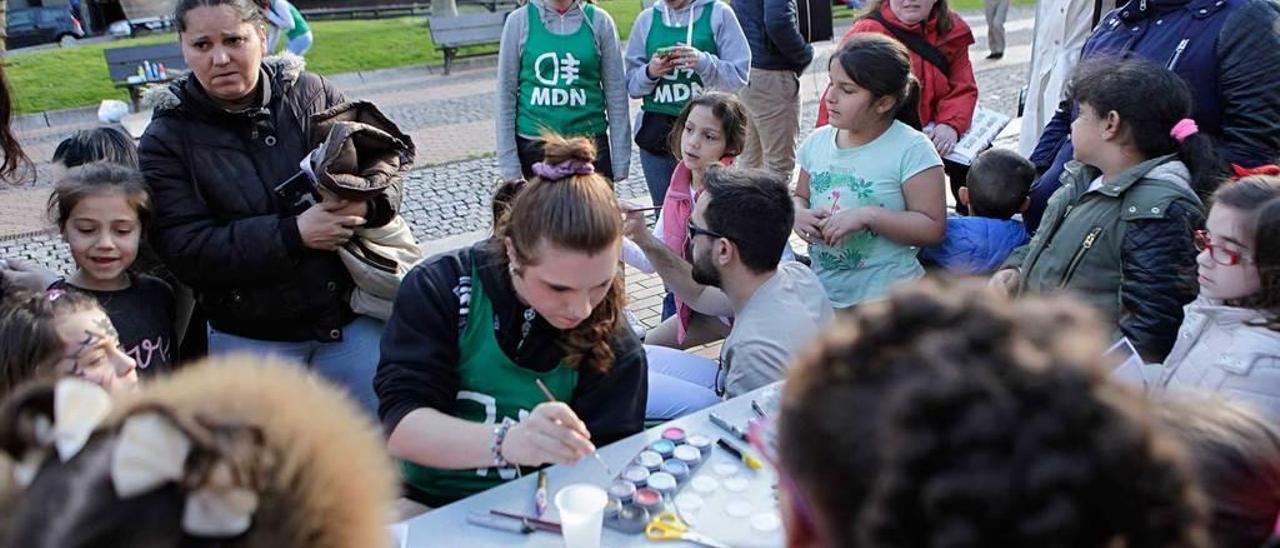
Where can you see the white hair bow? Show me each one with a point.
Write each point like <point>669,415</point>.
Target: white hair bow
<point>151,451</point>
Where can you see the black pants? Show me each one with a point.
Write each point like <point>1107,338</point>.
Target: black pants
<point>956,175</point>
<point>530,151</point>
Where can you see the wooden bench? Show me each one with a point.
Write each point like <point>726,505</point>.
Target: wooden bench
<point>124,62</point>
<point>452,33</point>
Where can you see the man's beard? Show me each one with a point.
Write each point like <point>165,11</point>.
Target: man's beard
<point>704,272</point>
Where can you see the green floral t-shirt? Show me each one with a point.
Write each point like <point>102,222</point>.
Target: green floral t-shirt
<point>865,265</point>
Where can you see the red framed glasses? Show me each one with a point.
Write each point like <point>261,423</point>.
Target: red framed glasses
<point>1225,257</point>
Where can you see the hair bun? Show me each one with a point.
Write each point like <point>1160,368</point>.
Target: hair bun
<point>557,149</point>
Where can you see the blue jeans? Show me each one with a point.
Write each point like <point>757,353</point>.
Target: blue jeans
<point>679,383</point>
<point>349,363</point>
<point>299,46</point>
<point>657,174</point>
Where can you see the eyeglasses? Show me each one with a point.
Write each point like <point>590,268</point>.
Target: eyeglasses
<point>1217,254</point>
<point>695,231</point>
<point>762,434</point>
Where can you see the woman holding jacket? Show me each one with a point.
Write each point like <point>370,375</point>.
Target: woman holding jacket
<point>223,138</point>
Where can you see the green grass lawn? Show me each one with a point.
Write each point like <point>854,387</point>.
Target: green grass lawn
<point>72,77</point>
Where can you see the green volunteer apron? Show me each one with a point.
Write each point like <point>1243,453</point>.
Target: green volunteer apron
<point>560,87</point>
<point>674,90</point>
<point>299,24</point>
<point>491,387</point>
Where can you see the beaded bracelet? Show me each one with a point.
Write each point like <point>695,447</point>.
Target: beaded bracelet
<point>499,436</point>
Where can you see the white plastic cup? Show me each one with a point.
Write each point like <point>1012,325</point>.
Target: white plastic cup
<point>581,508</point>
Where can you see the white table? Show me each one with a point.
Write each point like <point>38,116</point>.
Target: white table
<point>447,526</point>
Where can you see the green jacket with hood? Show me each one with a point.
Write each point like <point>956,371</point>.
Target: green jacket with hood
<point>1125,248</point>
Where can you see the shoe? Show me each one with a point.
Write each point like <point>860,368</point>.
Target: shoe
<point>995,55</point>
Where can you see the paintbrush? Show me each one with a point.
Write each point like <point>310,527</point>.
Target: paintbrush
<point>642,209</point>
<point>552,398</point>
<point>542,524</point>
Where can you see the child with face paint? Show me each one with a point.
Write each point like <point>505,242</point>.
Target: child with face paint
<point>102,210</point>
<point>59,333</point>
<point>1229,342</point>
<point>474,330</point>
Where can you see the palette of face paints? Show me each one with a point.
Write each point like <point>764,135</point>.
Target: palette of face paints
<point>653,479</point>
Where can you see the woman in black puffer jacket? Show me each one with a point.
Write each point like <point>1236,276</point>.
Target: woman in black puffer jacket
<point>222,139</point>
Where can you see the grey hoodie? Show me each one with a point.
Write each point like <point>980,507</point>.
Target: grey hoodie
<point>514,35</point>
<point>726,71</point>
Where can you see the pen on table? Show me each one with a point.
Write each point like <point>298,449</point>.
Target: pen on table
<point>751,462</point>
<point>540,495</point>
<point>719,421</point>
<point>551,397</point>
<point>758,411</point>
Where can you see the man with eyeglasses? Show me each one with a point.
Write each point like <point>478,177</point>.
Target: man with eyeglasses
<point>737,232</point>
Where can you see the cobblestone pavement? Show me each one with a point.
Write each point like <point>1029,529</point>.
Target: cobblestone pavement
<point>450,119</point>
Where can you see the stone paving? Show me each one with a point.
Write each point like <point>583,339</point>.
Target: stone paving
<point>450,120</point>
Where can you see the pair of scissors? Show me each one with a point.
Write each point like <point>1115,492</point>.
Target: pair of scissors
<point>668,526</point>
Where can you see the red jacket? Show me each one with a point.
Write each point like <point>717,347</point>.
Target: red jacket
<point>944,99</point>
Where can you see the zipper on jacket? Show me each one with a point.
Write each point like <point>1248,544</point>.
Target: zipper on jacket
<point>1177,53</point>
<point>1079,256</point>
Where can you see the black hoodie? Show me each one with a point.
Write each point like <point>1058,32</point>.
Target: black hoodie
<point>420,353</point>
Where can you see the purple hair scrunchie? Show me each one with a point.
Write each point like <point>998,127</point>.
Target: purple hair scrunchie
<point>555,172</point>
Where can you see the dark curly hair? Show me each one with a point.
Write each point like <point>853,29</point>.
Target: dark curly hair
<point>950,416</point>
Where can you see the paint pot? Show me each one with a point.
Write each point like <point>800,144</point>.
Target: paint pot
<point>704,484</point>
<point>612,508</point>
<point>674,435</point>
<point>624,491</point>
<point>631,520</point>
<point>663,482</point>
<point>678,470</point>
<point>650,460</point>
<point>665,448</point>
<point>637,475</point>
<point>702,443</point>
<point>649,499</point>
<point>689,455</point>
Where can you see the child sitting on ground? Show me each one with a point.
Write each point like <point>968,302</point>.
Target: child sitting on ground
<point>995,190</point>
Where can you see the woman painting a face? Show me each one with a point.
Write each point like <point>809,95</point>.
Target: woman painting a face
<point>476,330</point>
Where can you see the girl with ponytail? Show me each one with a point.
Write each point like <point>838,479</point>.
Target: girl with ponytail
<point>1120,230</point>
<point>475,330</point>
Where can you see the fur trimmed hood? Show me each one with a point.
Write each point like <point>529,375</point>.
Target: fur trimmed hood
<point>313,461</point>
<point>286,67</point>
